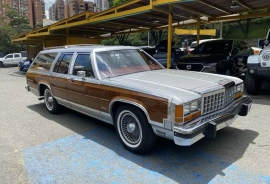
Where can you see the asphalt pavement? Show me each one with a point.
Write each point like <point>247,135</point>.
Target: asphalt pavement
<point>37,147</point>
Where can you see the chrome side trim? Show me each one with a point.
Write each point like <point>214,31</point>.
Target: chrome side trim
<point>107,117</point>
<point>93,112</point>
<point>62,101</point>
<point>161,124</point>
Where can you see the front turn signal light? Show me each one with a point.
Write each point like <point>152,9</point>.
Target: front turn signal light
<point>178,114</point>
<point>238,95</point>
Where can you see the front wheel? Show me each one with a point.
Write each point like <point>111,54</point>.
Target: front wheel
<point>134,130</point>
<point>51,104</point>
<point>253,85</point>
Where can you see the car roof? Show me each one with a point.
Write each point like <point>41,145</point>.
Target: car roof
<point>90,48</point>
<point>206,40</point>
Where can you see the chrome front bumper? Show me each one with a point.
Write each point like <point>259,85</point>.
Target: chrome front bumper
<point>187,135</point>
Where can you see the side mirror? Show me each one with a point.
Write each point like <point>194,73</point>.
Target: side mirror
<point>81,73</point>
<point>261,43</point>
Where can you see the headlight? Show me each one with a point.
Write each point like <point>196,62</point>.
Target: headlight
<point>238,90</point>
<point>26,63</point>
<point>187,112</point>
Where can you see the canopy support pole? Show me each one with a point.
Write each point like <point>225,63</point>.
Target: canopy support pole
<point>198,31</point>
<point>169,49</point>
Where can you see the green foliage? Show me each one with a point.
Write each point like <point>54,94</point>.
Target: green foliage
<point>119,2</point>
<point>6,33</point>
<point>110,3</point>
<point>240,44</point>
<point>19,22</point>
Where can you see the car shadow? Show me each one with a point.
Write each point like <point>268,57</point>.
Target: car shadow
<point>199,163</point>
<point>264,97</point>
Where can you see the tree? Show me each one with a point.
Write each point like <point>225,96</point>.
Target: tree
<point>119,2</point>
<point>110,3</point>
<point>6,33</point>
<point>123,39</point>
<point>19,22</point>
<point>244,25</point>
<point>157,36</point>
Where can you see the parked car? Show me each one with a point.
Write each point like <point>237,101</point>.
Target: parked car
<point>258,68</point>
<point>216,56</point>
<point>11,59</point>
<point>159,52</point>
<point>24,65</point>
<point>124,86</point>
<point>193,45</point>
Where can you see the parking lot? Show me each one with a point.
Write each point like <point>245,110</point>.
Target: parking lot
<point>38,147</point>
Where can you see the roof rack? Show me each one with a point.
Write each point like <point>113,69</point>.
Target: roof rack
<point>70,46</point>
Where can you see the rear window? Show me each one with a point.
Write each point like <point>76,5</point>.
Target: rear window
<point>193,45</point>
<point>44,61</point>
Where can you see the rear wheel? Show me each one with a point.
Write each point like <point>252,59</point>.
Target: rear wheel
<point>134,130</point>
<point>51,104</point>
<point>253,85</point>
<point>2,65</point>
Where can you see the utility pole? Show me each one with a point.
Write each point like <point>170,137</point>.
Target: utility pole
<point>221,30</point>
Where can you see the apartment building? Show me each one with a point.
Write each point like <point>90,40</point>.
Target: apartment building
<point>34,10</point>
<point>74,7</point>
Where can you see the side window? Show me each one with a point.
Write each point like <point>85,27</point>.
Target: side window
<point>44,61</point>
<point>62,64</point>
<point>199,49</point>
<point>17,55</point>
<point>9,56</point>
<point>83,63</point>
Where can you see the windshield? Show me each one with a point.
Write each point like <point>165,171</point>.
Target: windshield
<point>121,62</point>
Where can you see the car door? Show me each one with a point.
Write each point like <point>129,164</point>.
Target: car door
<point>83,86</point>
<point>8,59</point>
<point>17,59</point>
<point>58,79</point>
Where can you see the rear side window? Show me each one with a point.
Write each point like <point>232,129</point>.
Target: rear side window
<point>44,61</point>
<point>83,63</point>
<point>62,64</point>
<point>17,55</point>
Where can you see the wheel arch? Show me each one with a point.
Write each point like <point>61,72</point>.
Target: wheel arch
<point>41,88</point>
<point>115,103</point>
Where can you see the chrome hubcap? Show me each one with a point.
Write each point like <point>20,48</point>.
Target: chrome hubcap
<point>130,128</point>
<point>48,99</point>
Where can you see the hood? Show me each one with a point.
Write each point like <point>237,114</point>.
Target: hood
<point>184,85</point>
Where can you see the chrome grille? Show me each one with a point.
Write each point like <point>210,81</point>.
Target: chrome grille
<point>216,101</point>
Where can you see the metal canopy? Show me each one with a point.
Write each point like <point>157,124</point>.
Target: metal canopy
<point>144,15</point>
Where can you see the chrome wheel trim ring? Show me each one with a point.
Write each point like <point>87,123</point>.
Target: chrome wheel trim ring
<point>48,99</point>
<point>129,129</point>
